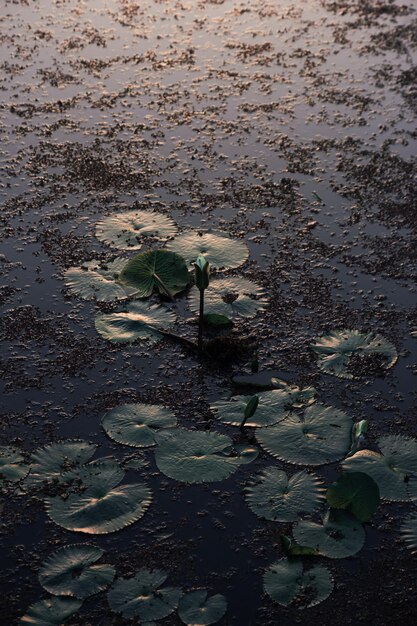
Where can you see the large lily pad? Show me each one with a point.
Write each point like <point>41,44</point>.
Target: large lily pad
<point>355,492</point>
<point>156,270</point>
<point>51,612</point>
<point>218,248</point>
<point>231,297</point>
<point>391,469</point>
<point>197,609</point>
<point>194,456</point>
<point>340,535</point>
<point>286,583</point>
<point>143,596</point>
<point>52,462</point>
<point>96,280</point>
<point>409,532</point>
<point>322,435</point>
<point>274,496</point>
<point>136,424</point>
<point>140,321</point>
<point>127,231</point>
<point>351,354</point>
<point>12,468</point>
<point>71,571</point>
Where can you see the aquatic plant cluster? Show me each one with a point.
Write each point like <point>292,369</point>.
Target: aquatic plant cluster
<point>88,496</point>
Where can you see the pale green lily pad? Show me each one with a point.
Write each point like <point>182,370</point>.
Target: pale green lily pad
<point>231,297</point>
<point>273,406</point>
<point>347,353</point>
<point>156,270</point>
<point>409,532</point>
<point>12,468</point>
<point>143,596</point>
<point>195,456</point>
<point>341,534</point>
<point>50,463</point>
<point>51,612</point>
<point>136,424</point>
<point>128,230</point>
<point>355,492</point>
<point>274,496</point>
<point>96,280</point>
<point>197,609</point>
<point>139,321</point>
<point>286,583</point>
<point>71,571</point>
<point>392,469</point>
<point>220,250</point>
<point>321,435</point>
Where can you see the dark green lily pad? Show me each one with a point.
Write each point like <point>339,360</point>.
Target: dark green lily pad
<point>220,250</point>
<point>137,424</point>
<point>51,612</point>
<point>217,321</point>
<point>341,534</point>
<point>231,297</point>
<point>288,584</point>
<point>96,280</point>
<point>355,492</point>
<point>128,230</point>
<point>139,321</point>
<point>12,468</point>
<point>156,270</point>
<point>409,532</point>
<point>197,609</point>
<point>50,463</point>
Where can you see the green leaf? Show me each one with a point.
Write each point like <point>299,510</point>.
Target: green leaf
<point>286,583</point>
<point>351,354</point>
<point>217,321</point>
<point>359,431</point>
<point>232,296</point>
<point>292,548</point>
<point>51,612</point>
<point>409,532</point>
<point>160,270</point>
<point>197,609</point>
<point>11,467</point>
<point>356,492</point>
<point>143,596</point>
<point>251,407</point>
<point>340,535</point>
<point>218,248</point>
<point>140,321</point>
<point>70,571</point>
<point>96,280</point>
<point>52,462</point>
<point>127,231</point>
<point>274,496</point>
<point>137,424</point>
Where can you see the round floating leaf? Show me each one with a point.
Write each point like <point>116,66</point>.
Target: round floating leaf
<point>322,435</point>
<point>11,467</point>
<point>50,463</point>
<point>340,535</point>
<point>286,583</point>
<point>96,280</point>
<point>355,492</point>
<point>274,496</point>
<point>136,424</point>
<point>140,321</point>
<point>127,231</point>
<point>218,248</point>
<point>143,596</point>
<point>230,297</point>
<point>160,270</point>
<point>194,456</point>
<point>409,532</point>
<point>51,612</point>
<point>70,572</point>
<point>392,469</point>
<point>217,321</point>
<point>197,609</point>
<point>350,354</point>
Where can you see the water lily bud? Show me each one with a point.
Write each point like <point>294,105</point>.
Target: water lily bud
<point>251,407</point>
<point>202,272</point>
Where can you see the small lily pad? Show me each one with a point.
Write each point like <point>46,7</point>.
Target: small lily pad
<point>51,612</point>
<point>12,468</point>
<point>139,321</point>
<point>288,584</point>
<point>274,496</point>
<point>128,230</point>
<point>220,250</point>
<point>96,280</point>
<point>156,270</point>
<point>197,609</point>
<point>409,532</point>
<point>137,424</point>
<point>341,534</point>
<point>217,321</point>
<point>355,492</point>
<point>70,571</point>
<point>351,354</point>
<point>231,297</point>
<point>50,463</point>
<point>143,596</point>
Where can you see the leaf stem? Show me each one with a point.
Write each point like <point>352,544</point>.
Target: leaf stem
<point>200,323</point>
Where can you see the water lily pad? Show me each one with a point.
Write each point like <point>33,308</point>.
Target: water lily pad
<point>355,492</point>
<point>137,424</point>
<point>128,230</point>
<point>409,532</point>
<point>197,609</point>
<point>156,270</point>
<point>340,535</point>
<point>50,463</point>
<point>143,596</point>
<point>70,571</point>
<point>274,496</point>
<point>139,321</point>
<point>194,456</point>
<point>102,506</point>
<point>231,297</point>
<point>286,583</point>
<point>391,469</point>
<point>220,250</point>
<point>351,354</point>
<point>321,435</point>
<point>96,280</point>
<point>12,468</point>
<point>51,612</point>
<point>217,321</point>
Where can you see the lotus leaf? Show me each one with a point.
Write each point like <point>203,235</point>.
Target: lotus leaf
<point>218,248</point>
<point>127,231</point>
<point>136,424</point>
<point>160,270</point>
<point>340,535</point>
<point>230,297</point>
<point>11,466</point>
<point>355,492</point>
<point>286,583</point>
<point>409,532</point>
<point>51,612</point>
<point>51,462</point>
<point>140,321</point>
<point>197,609</point>
<point>96,280</point>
